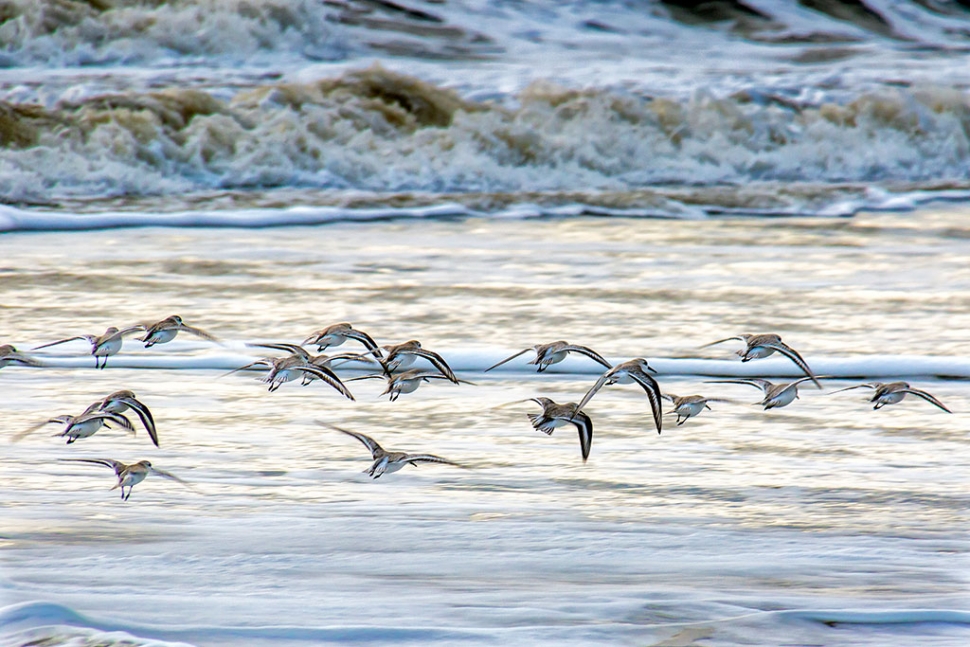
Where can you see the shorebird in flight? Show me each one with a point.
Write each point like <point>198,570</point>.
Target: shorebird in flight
<point>759,346</point>
<point>82,426</point>
<point>553,353</point>
<point>102,346</point>
<point>634,370</point>
<point>386,462</point>
<point>284,369</point>
<point>402,356</point>
<point>405,382</point>
<point>164,331</point>
<point>10,355</point>
<point>893,392</point>
<point>776,395</point>
<point>323,361</point>
<point>688,406</point>
<point>128,475</point>
<point>556,415</point>
<point>337,334</point>
<point>121,401</point>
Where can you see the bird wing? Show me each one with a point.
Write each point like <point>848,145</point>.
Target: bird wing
<point>345,358</point>
<point>652,390</point>
<point>584,425</point>
<point>117,466</point>
<point>268,363</point>
<point>793,355</point>
<point>115,417</point>
<point>168,475</point>
<point>869,385</point>
<point>721,341</point>
<point>669,397</point>
<point>198,332</point>
<point>593,391</point>
<point>329,377</point>
<point>293,349</point>
<point>375,449</point>
<point>370,376</point>
<point>64,341</point>
<point>507,359</point>
<point>145,415</point>
<point>926,396</point>
<point>756,382</point>
<point>427,458</point>
<point>365,339</point>
<point>588,352</point>
<point>29,430</point>
<point>437,361</point>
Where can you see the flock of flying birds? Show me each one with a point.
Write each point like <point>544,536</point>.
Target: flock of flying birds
<point>393,364</point>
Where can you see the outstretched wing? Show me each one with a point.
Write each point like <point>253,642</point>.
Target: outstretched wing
<point>64,341</point>
<point>437,361</point>
<point>375,449</point>
<point>593,391</point>
<point>268,363</point>
<point>507,359</point>
<point>869,385</point>
<point>743,338</point>
<point>588,352</point>
<point>329,377</point>
<point>584,425</point>
<point>926,396</point>
<point>652,390</point>
<point>168,475</point>
<point>116,418</point>
<point>145,415</point>
<point>29,430</point>
<point>198,332</point>
<point>793,355</point>
<point>293,349</point>
<point>365,339</point>
<point>756,382</point>
<point>428,458</point>
<point>117,466</point>
<point>370,376</point>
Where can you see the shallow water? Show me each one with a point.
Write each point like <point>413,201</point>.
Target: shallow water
<point>739,527</point>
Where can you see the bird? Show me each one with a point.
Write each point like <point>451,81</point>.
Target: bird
<point>759,346</point>
<point>316,360</point>
<point>121,401</point>
<point>553,353</point>
<point>634,370</point>
<point>284,369</point>
<point>164,331</point>
<point>556,415</point>
<point>10,355</point>
<point>128,475</point>
<point>404,382</point>
<point>102,346</point>
<point>688,406</point>
<point>337,334</point>
<point>401,356</point>
<point>386,462</point>
<point>82,426</point>
<point>776,395</point>
<point>893,392</point>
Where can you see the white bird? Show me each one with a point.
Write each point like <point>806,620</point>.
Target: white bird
<point>386,462</point>
<point>688,406</point>
<point>164,331</point>
<point>401,356</point>
<point>893,392</point>
<point>776,395</point>
<point>10,355</point>
<point>759,346</point>
<point>556,415</point>
<point>102,346</point>
<point>82,426</point>
<point>121,401</point>
<point>405,382</point>
<point>634,370</point>
<point>128,475</point>
<point>553,353</point>
<point>337,334</point>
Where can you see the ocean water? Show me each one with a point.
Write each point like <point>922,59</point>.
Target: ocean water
<point>640,178</point>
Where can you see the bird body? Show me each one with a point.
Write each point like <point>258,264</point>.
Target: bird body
<point>557,415</point>
<point>402,356</point>
<point>129,475</point>
<point>164,331</point>
<point>10,355</point>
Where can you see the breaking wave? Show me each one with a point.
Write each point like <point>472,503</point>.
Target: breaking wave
<point>374,132</point>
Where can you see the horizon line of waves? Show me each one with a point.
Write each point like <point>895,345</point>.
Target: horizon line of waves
<point>674,204</point>
<point>468,361</point>
<point>376,130</point>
